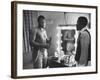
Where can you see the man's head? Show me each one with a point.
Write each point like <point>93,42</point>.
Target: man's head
<point>81,22</point>
<point>41,21</point>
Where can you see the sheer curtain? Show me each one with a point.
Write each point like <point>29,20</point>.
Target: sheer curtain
<point>29,22</point>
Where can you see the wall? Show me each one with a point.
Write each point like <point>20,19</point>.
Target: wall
<point>5,40</point>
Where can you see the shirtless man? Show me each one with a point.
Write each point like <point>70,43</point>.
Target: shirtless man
<point>40,43</point>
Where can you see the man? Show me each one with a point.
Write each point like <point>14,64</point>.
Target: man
<point>83,52</point>
<point>40,43</point>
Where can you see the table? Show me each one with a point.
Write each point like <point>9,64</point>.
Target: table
<point>52,63</point>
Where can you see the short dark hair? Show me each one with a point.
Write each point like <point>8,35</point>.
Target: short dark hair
<point>82,22</point>
<point>40,17</point>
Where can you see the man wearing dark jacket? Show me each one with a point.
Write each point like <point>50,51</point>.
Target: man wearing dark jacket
<point>83,52</point>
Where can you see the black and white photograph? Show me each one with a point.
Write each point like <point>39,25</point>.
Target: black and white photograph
<point>55,39</point>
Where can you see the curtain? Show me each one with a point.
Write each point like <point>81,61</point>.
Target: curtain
<point>29,22</point>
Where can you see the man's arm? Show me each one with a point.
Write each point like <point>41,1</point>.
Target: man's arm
<point>84,48</point>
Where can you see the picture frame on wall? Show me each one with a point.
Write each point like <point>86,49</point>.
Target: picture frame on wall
<point>51,39</point>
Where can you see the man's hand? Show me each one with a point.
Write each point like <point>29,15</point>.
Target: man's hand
<point>48,43</point>
<point>49,40</point>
